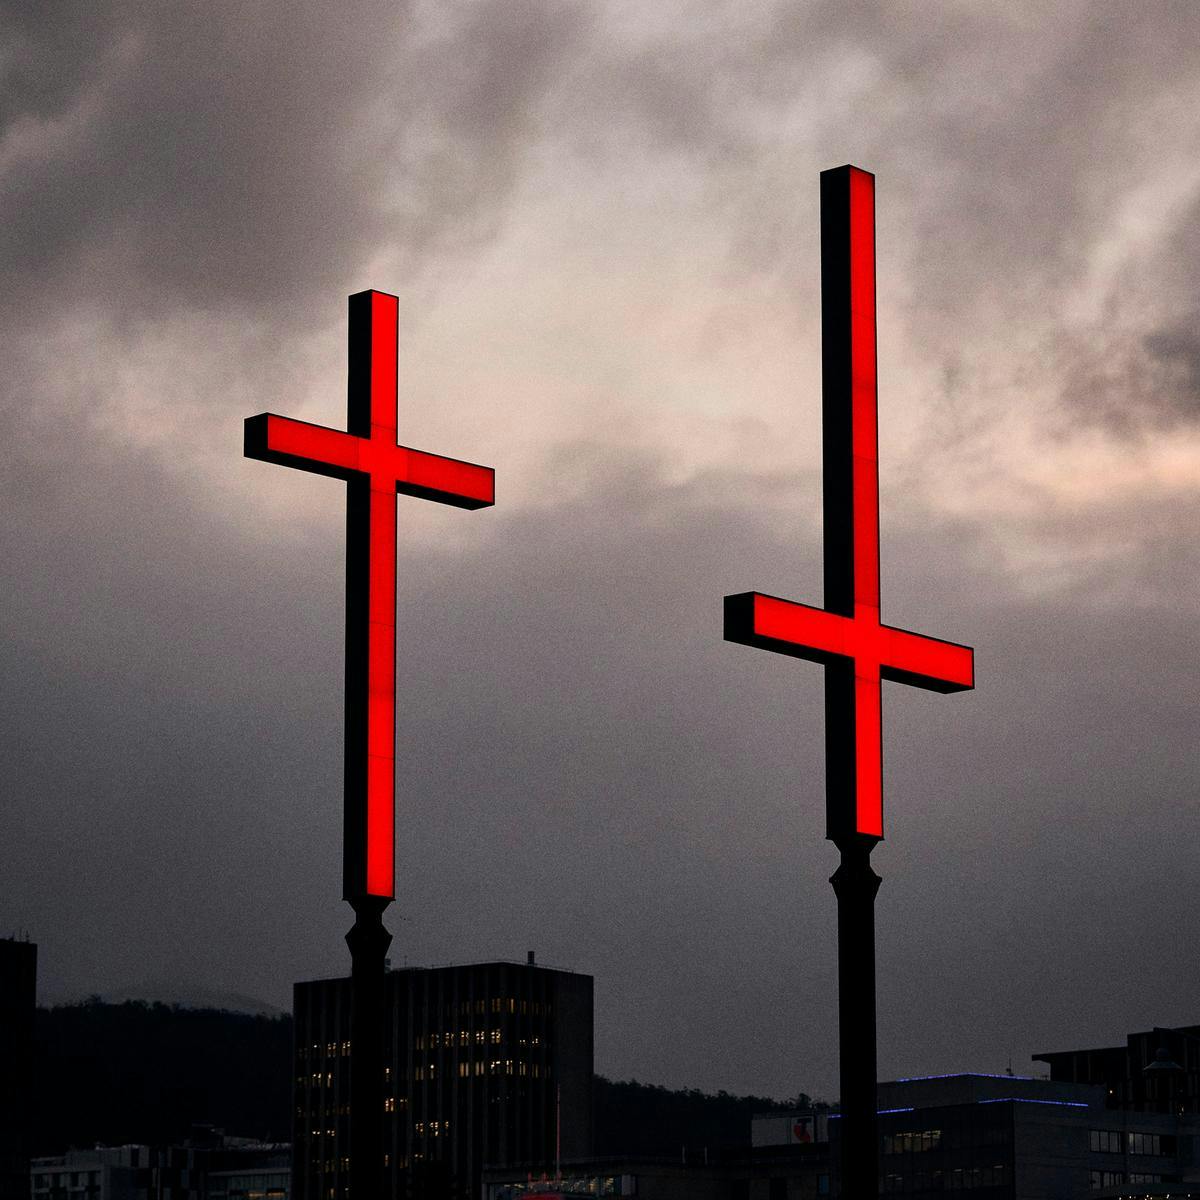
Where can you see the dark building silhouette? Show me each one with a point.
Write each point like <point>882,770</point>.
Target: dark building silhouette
<point>209,1167</point>
<point>488,1063</point>
<point>1155,1071</point>
<point>995,1137</point>
<point>18,1002</point>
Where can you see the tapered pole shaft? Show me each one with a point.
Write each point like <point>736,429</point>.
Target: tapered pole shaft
<point>368,941</point>
<point>855,885</point>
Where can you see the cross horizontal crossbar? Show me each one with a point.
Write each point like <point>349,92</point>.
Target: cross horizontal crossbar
<point>877,650</point>
<point>342,455</point>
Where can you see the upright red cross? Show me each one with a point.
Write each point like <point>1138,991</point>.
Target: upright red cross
<point>846,635</point>
<point>375,468</point>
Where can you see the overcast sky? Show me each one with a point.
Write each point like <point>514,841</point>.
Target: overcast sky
<point>601,219</point>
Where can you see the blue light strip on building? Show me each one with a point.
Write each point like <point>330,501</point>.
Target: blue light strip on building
<point>879,1112</point>
<point>1022,1100</point>
<point>962,1075</point>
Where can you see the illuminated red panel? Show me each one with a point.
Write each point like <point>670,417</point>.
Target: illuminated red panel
<point>820,635</point>
<point>469,485</point>
<point>385,379</point>
<point>868,745</point>
<point>375,467</point>
<point>865,435</point>
<point>847,636</point>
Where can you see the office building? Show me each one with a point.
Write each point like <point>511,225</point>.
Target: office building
<point>1155,1071</point>
<point>222,1169</point>
<point>986,1136</point>
<point>18,1004</point>
<point>1002,1138</point>
<point>488,1063</point>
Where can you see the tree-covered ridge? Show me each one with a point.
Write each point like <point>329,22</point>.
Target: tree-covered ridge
<point>147,1072</point>
<point>641,1119</point>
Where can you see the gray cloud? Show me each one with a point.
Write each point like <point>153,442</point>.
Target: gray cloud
<point>243,156</point>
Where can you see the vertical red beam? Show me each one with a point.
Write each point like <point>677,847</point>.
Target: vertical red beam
<point>864,399</point>
<point>853,717</point>
<point>381,687</point>
<point>369,848</point>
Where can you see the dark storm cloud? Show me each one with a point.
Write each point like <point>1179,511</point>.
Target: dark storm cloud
<point>242,155</point>
<point>1178,351</point>
<point>1135,386</point>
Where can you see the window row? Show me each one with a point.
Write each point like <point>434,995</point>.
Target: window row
<point>920,1142</point>
<point>499,1004</point>
<point>328,1049</point>
<point>1113,1141</point>
<point>950,1180</point>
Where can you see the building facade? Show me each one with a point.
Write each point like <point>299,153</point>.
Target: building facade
<point>228,1169</point>
<point>1155,1071</point>
<point>998,1137</point>
<point>980,1137</point>
<point>487,1063</point>
<point>18,1005</point>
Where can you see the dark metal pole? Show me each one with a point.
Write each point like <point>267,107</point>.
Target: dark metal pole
<point>368,941</point>
<point>856,884</point>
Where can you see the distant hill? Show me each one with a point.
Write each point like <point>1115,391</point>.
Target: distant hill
<point>142,1072</point>
<point>139,1071</point>
<point>192,995</point>
<point>641,1119</point>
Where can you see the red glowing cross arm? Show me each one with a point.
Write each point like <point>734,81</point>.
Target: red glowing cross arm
<point>375,468</point>
<point>824,637</point>
<point>325,451</point>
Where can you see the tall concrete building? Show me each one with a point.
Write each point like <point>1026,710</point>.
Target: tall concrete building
<point>18,1003</point>
<point>484,1064</point>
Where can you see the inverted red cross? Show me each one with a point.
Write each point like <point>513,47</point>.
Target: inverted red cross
<point>375,468</point>
<point>846,635</point>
